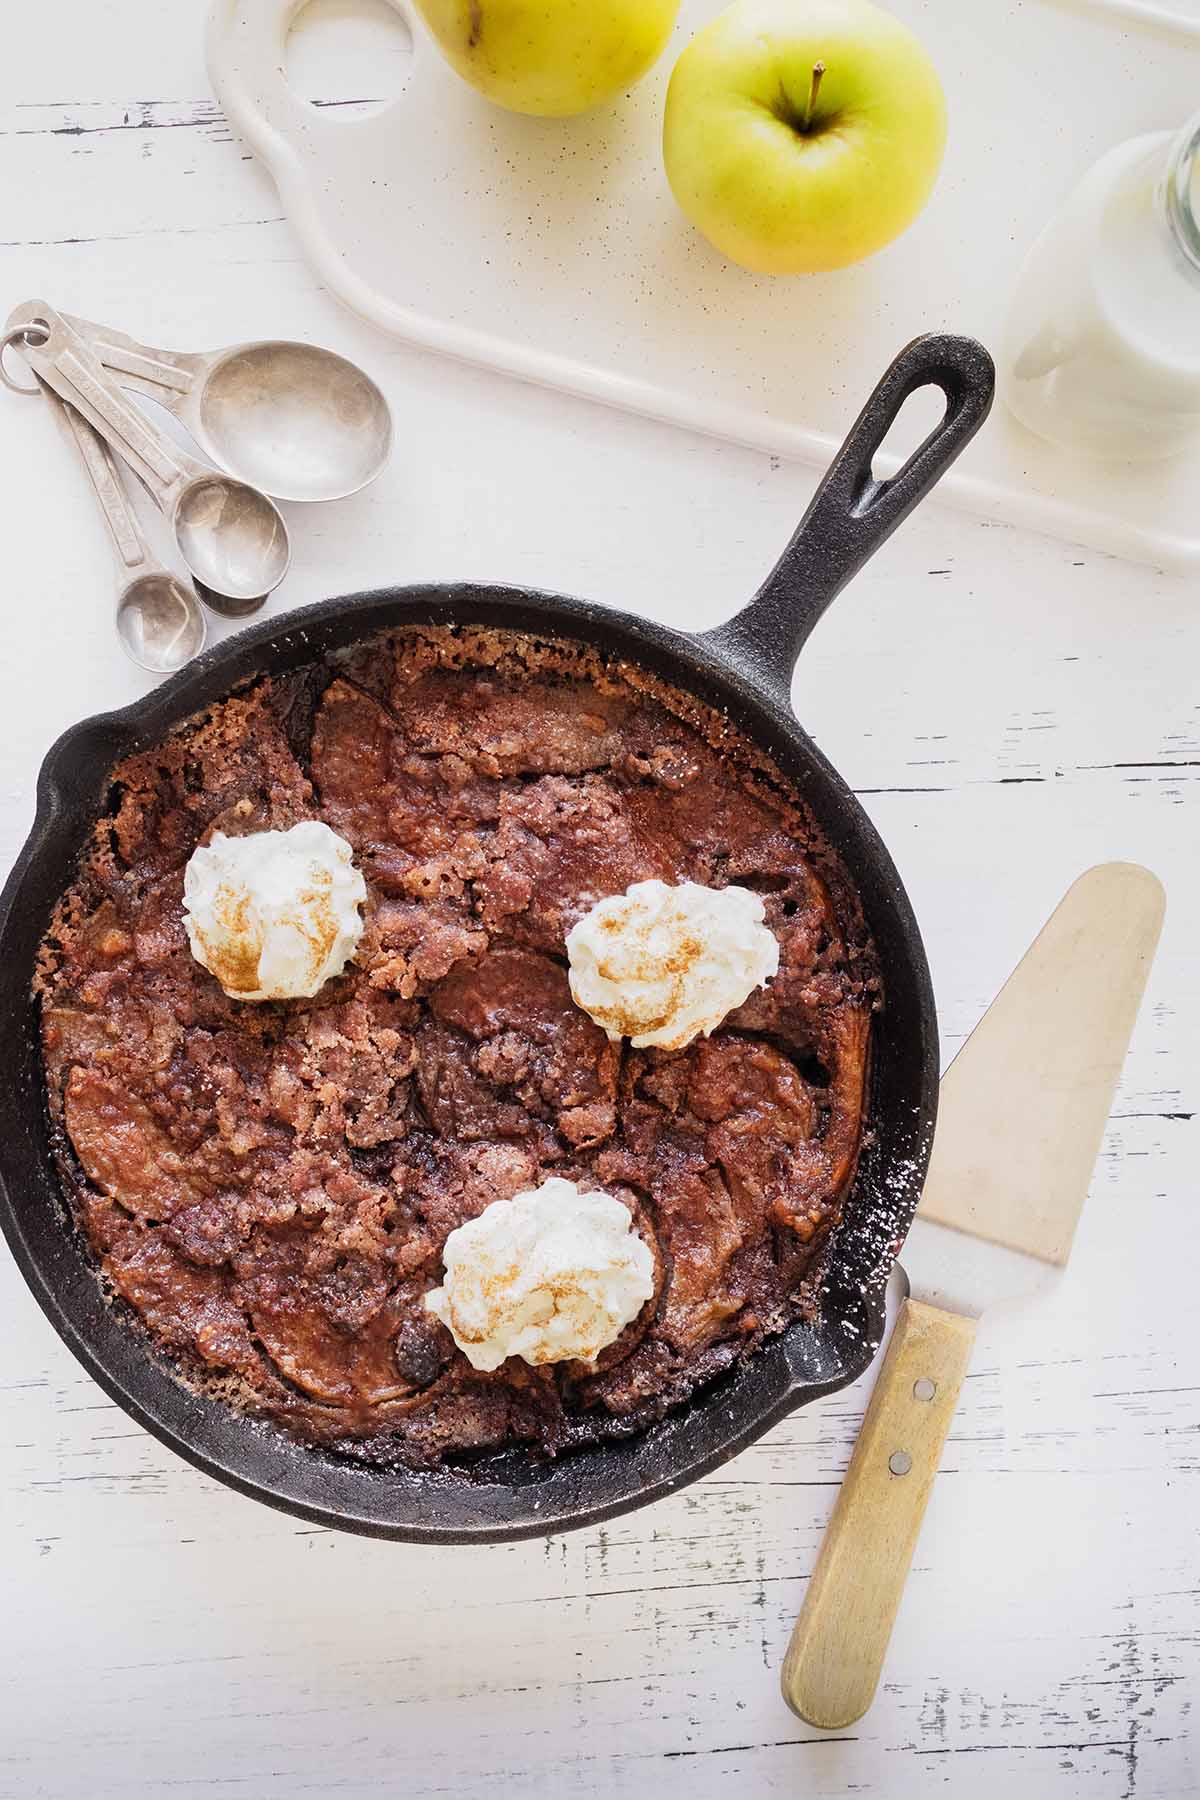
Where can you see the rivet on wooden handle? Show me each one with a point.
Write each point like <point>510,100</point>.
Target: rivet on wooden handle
<point>837,1650</point>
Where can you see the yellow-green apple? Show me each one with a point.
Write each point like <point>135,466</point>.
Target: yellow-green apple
<point>803,134</point>
<point>553,57</point>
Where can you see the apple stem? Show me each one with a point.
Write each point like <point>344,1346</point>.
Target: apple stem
<point>814,88</point>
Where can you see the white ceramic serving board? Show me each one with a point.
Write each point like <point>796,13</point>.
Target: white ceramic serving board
<point>552,249</point>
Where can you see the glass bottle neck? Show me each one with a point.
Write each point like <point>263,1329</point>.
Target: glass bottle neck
<point>1181,194</point>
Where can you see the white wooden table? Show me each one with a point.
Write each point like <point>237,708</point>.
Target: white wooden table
<point>1012,710</point>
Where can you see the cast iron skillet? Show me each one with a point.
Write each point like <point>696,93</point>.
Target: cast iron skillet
<point>744,666</point>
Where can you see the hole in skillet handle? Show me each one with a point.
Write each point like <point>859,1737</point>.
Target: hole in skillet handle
<point>921,414</point>
<point>853,511</point>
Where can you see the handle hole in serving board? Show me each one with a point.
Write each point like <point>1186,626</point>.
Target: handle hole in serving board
<point>921,413</point>
<point>349,58</point>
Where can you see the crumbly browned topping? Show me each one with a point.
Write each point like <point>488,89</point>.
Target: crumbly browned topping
<point>268,1186</point>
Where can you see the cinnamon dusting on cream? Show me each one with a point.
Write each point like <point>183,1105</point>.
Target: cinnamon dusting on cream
<point>273,915</point>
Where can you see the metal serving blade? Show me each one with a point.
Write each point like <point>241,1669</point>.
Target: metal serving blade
<point>1025,1102</point>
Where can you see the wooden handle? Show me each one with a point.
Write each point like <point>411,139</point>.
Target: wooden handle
<point>834,1660</point>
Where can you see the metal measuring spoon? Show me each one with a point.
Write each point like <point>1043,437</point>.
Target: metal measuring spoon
<point>229,609</point>
<point>159,621</point>
<point>299,422</point>
<point>229,534</point>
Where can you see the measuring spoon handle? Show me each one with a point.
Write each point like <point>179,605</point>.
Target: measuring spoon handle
<point>66,363</point>
<point>105,476</point>
<point>167,376</point>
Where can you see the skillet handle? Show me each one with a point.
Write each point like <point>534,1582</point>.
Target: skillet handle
<point>852,513</point>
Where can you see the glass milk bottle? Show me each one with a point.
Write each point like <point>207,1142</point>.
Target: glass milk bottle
<point>1101,349</point>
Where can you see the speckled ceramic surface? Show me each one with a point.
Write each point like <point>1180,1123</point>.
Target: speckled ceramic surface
<point>460,227</point>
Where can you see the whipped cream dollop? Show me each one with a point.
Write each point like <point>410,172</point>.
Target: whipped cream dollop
<point>551,1275</point>
<point>274,914</point>
<point>661,964</point>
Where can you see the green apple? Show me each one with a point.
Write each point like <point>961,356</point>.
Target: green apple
<point>803,134</point>
<point>553,57</point>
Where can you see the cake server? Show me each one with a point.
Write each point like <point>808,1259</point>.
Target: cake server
<point>299,422</point>
<point>229,534</point>
<point>159,621</point>
<point>1021,1116</point>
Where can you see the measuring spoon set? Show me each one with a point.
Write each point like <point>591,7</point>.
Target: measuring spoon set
<point>274,418</point>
